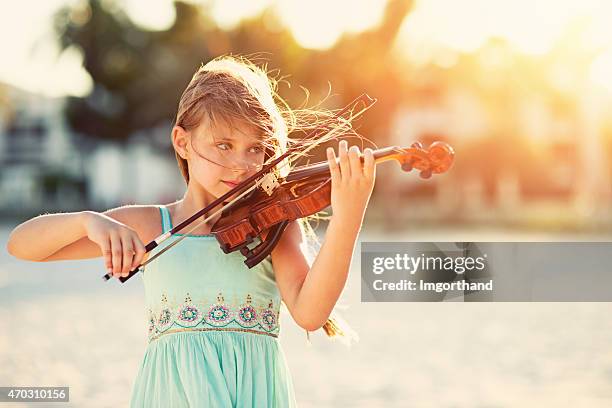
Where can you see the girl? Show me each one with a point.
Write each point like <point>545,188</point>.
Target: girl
<point>213,328</point>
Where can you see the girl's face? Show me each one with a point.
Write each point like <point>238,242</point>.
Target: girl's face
<point>223,155</point>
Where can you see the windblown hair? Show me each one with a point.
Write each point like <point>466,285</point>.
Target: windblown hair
<point>234,90</point>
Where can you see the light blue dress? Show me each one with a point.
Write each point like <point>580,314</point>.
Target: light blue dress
<point>213,330</point>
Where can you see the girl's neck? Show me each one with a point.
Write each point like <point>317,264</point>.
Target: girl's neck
<point>192,202</point>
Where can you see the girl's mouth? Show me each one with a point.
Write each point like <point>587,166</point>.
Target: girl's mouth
<point>230,183</point>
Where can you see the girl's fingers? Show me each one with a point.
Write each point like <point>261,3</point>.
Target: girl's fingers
<point>334,170</point>
<point>107,253</point>
<point>116,252</point>
<point>345,168</point>
<point>369,168</point>
<point>354,162</point>
<point>128,255</point>
<point>140,251</point>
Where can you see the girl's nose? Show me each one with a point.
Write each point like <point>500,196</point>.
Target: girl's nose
<point>246,166</point>
<point>246,169</point>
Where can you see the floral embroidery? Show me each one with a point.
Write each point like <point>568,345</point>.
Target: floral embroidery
<point>165,315</point>
<point>151,322</point>
<point>247,313</point>
<point>268,317</point>
<point>188,314</point>
<point>191,315</point>
<point>219,314</point>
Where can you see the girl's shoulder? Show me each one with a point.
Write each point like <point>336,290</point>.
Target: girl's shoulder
<point>144,219</point>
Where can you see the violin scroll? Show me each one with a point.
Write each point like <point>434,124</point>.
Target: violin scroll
<point>435,160</point>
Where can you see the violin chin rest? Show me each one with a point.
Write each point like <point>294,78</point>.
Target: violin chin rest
<point>261,251</point>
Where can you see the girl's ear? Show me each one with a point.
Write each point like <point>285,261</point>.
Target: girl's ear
<point>180,140</point>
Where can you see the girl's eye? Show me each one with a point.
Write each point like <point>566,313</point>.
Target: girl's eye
<point>256,149</point>
<point>223,146</point>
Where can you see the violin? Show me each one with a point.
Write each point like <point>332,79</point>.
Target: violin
<point>265,212</point>
<point>306,191</point>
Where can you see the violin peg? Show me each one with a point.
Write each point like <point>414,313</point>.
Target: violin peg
<point>426,174</point>
<point>442,156</point>
<point>407,165</point>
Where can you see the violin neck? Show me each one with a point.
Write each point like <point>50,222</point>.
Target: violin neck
<point>322,168</point>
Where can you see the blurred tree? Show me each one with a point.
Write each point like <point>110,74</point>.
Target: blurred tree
<point>138,75</point>
<point>364,62</point>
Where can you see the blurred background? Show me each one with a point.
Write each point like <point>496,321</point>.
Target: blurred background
<point>520,89</point>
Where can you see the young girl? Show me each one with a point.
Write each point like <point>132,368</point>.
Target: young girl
<point>213,332</point>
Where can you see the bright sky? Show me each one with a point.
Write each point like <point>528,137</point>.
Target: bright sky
<point>434,31</point>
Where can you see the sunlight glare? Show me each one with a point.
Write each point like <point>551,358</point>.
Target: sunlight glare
<point>601,71</point>
<point>155,15</point>
<point>229,13</point>
<point>531,27</point>
<point>319,23</point>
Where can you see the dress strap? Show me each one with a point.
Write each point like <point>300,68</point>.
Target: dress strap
<point>165,216</point>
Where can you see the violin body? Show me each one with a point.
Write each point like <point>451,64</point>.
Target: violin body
<point>259,214</point>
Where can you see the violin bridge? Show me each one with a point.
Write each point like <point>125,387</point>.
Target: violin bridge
<point>269,183</point>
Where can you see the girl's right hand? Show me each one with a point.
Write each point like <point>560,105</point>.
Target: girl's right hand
<point>121,246</point>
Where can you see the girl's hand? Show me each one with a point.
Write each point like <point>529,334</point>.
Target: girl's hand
<point>121,247</point>
<point>352,182</point>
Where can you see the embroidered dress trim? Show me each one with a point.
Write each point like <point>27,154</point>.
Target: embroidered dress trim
<point>222,316</point>
<point>201,329</point>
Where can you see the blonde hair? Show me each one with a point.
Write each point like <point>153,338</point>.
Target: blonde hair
<point>232,89</point>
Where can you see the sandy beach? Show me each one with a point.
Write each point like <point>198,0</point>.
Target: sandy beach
<point>63,326</point>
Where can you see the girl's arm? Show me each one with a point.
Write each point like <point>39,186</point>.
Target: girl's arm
<point>42,236</point>
<point>311,293</point>
<point>114,234</point>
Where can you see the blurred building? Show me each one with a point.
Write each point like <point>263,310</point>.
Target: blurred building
<point>39,157</point>
<point>532,163</point>
<point>45,167</point>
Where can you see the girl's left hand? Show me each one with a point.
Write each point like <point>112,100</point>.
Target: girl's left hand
<point>352,182</point>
